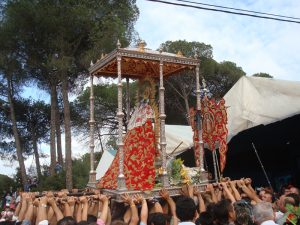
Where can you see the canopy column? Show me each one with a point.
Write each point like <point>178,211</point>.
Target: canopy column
<point>121,178</point>
<point>162,116</point>
<point>199,111</point>
<point>92,175</point>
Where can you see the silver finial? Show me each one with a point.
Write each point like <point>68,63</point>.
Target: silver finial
<point>160,50</point>
<point>196,55</point>
<point>91,63</point>
<point>118,44</point>
<point>205,90</point>
<point>204,83</point>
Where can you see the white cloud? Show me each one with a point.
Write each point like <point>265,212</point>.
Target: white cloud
<point>257,45</point>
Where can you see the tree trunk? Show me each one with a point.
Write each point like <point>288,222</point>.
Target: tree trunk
<point>36,155</point>
<point>58,132</point>
<point>52,130</point>
<point>16,134</point>
<point>187,106</point>
<point>67,124</point>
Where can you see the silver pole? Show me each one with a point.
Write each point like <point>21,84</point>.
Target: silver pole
<point>199,111</point>
<point>120,115</point>
<point>92,175</point>
<point>127,100</point>
<point>162,116</point>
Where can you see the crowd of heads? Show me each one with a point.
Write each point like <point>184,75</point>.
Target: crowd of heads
<point>224,203</point>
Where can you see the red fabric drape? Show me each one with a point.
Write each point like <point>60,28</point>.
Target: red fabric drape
<point>139,155</point>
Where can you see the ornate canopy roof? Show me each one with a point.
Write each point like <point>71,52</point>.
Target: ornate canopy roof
<point>140,62</point>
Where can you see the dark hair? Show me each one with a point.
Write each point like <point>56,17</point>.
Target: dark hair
<point>83,222</point>
<point>67,220</point>
<point>157,219</point>
<point>295,197</point>
<point>91,218</point>
<point>117,210</point>
<point>205,218</point>
<point>244,213</point>
<point>185,208</point>
<point>221,211</point>
<point>118,222</point>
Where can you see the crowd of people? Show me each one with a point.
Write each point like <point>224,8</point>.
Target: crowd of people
<point>224,203</point>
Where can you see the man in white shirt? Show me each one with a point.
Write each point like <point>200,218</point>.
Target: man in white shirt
<point>186,210</point>
<point>263,214</point>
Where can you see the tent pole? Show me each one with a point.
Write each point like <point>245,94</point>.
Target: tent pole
<point>215,165</point>
<point>262,166</point>
<point>218,167</point>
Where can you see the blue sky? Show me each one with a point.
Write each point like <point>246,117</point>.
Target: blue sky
<point>256,45</point>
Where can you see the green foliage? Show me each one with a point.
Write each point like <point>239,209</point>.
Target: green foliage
<point>6,183</point>
<point>176,167</point>
<point>293,214</point>
<point>266,75</point>
<point>188,49</point>
<point>180,89</point>
<point>55,182</point>
<point>105,111</point>
<point>80,172</point>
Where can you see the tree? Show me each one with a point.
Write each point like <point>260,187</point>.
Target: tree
<point>105,100</point>
<point>227,74</point>
<point>266,75</point>
<point>72,33</point>
<point>180,89</point>
<point>6,183</point>
<point>12,77</point>
<point>182,85</point>
<point>34,121</point>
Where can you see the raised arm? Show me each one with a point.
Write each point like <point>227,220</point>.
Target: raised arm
<point>23,206</point>
<point>29,213</point>
<point>57,211</point>
<point>144,210</point>
<point>105,209</point>
<point>197,193</point>
<point>247,191</point>
<point>210,188</point>
<point>84,202</point>
<point>236,194</point>
<point>227,192</point>
<point>42,210</point>
<point>134,213</point>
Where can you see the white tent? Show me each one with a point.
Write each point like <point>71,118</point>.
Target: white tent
<point>251,101</point>
<point>179,139</point>
<point>254,100</point>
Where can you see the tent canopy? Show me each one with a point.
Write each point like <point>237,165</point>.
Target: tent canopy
<point>253,101</point>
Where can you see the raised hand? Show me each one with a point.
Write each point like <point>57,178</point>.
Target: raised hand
<point>71,201</point>
<point>127,198</point>
<point>196,191</point>
<point>102,197</point>
<point>164,194</point>
<point>83,199</point>
<point>51,201</point>
<point>210,187</point>
<point>138,198</point>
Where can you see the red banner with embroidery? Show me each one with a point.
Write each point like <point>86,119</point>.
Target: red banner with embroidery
<point>139,155</point>
<point>214,120</point>
<point>214,130</point>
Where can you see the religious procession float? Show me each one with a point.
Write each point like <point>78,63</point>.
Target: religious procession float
<point>141,162</point>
